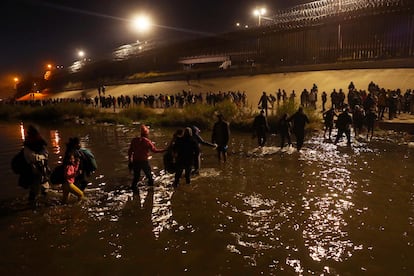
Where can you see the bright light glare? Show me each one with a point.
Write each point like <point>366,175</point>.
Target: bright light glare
<point>141,23</point>
<point>81,54</point>
<point>259,12</point>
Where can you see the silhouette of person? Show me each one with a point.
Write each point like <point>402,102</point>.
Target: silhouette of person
<point>186,149</point>
<point>343,123</point>
<point>284,130</point>
<point>264,102</point>
<point>329,117</point>
<point>260,128</point>
<point>200,141</point>
<point>138,154</point>
<point>221,137</point>
<point>299,120</point>
<point>370,119</point>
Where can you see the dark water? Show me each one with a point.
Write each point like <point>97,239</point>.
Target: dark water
<point>329,210</point>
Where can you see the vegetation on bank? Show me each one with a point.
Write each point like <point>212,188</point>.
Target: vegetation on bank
<point>201,115</point>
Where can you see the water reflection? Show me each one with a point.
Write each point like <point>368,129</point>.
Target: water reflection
<point>330,209</point>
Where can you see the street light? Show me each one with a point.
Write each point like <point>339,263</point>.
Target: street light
<point>16,81</point>
<point>239,25</point>
<point>259,13</point>
<point>81,54</point>
<point>141,23</point>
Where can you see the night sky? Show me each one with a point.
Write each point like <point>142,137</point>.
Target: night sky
<point>38,32</point>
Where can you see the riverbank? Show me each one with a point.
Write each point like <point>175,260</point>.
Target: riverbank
<point>254,85</point>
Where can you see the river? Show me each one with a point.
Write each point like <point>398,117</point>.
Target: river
<point>329,209</point>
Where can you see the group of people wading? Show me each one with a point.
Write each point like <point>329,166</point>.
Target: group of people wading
<point>181,155</point>
<point>31,164</point>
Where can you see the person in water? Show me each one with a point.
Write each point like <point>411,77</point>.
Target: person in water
<point>200,141</point>
<point>329,117</point>
<point>343,124</point>
<point>71,170</point>
<point>138,154</point>
<point>185,150</point>
<point>36,156</point>
<point>260,127</point>
<point>299,120</point>
<point>370,119</point>
<point>284,130</point>
<point>221,137</point>
<point>74,147</point>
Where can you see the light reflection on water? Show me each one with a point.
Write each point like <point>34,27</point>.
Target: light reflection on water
<point>328,209</point>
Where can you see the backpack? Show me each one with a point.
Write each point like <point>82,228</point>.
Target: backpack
<point>89,161</point>
<point>19,164</point>
<point>58,175</point>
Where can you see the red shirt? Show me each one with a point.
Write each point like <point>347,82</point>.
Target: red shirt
<point>70,172</point>
<point>140,148</point>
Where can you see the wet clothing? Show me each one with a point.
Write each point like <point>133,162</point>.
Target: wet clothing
<point>87,162</point>
<point>343,124</point>
<point>370,119</point>
<point>186,149</point>
<point>328,117</point>
<point>284,131</point>
<point>36,156</point>
<point>200,141</point>
<point>71,171</point>
<point>299,120</point>
<point>260,127</point>
<point>140,147</point>
<point>138,153</point>
<point>221,135</point>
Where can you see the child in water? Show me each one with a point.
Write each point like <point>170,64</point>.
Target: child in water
<point>71,170</point>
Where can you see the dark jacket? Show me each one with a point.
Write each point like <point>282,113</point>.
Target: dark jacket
<point>185,149</point>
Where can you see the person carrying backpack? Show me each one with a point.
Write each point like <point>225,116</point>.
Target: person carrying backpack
<point>87,162</point>
<point>35,175</point>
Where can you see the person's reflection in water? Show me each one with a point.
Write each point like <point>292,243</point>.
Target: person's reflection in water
<point>143,203</point>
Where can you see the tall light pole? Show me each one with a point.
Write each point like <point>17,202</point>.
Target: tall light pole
<point>259,13</point>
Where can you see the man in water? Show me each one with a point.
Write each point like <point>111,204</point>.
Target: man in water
<point>138,154</point>
<point>221,136</point>
<point>260,128</point>
<point>200,141</point>
<point>329,117</point>
<point>343,124</point>
<point>299,120</point>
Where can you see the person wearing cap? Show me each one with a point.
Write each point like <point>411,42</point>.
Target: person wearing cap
<point>138,154</point>
<point>200,141</point>
<point>221,137</point>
